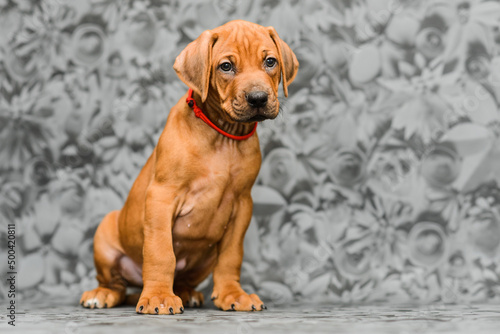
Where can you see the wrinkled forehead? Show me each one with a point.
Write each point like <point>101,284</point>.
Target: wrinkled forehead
<point>247,43</point>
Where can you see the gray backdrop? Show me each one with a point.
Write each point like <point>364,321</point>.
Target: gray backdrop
<point>379,180</point>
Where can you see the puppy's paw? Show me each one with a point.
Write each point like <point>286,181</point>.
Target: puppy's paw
<point>152,302</point>
<point>189,296</point>
<point>231,297</point>
<point>102,298</point>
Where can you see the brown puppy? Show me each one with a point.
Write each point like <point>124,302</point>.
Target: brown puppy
<point>187,213</point>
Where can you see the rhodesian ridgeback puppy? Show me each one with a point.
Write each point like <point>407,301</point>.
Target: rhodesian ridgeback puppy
<point>187,213</point>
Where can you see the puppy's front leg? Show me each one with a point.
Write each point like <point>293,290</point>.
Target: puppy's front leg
<point>228,294</point>
<point>158,269</point>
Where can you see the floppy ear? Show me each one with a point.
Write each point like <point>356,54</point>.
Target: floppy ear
<point>194,64</point>
<point>287,60</point>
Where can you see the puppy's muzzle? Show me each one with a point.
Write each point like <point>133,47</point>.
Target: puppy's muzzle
<point>257,101</point>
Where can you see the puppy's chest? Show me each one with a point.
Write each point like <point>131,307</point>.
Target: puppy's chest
<point>209,204</point>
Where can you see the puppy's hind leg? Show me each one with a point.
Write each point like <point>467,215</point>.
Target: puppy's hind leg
<point>112,286</point>
<point>190,297</point>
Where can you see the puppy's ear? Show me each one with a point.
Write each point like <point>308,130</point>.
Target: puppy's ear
<point>287,60</point>
<point>194,64</point>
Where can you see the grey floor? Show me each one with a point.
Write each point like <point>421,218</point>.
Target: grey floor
<point>52,317</point>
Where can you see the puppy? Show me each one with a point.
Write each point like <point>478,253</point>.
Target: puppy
<point>188,210</point>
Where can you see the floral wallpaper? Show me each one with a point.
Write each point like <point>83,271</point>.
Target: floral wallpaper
<point>380,179</point>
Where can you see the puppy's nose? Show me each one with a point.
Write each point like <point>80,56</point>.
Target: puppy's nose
<point>257,99</point>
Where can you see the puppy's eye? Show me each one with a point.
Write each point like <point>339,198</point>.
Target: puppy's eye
<point>226,66</point>
<point>271,62</point>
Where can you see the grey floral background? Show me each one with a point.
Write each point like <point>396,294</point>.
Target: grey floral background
<point>380,179</point>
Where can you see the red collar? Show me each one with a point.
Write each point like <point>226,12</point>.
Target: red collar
<point>197,111</point>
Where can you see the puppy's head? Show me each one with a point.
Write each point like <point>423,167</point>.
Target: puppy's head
<point>239,67</point>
